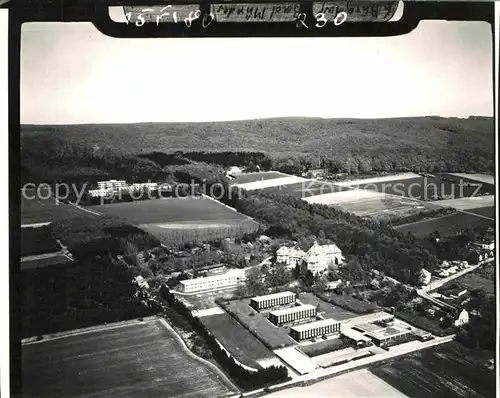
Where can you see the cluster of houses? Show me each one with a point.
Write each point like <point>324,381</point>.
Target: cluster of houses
<point>317,259</point>
<point>448,268</point>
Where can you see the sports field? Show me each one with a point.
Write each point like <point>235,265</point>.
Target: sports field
<point>448,370</point>
<point>242,344</point>
<point>39,207</point>
<point>140,359</point>
<point>446,225</point>
<point>38,240</point>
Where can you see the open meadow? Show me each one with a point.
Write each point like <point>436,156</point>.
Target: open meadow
<point>448,370</point>
<point>138,359</point>
<point>38,240</point>
<point>242,344</point>
<point>326,309</point>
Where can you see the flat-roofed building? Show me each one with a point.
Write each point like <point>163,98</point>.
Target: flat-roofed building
<point>272,300</point>
<point>292,314</point>
<point>390,335</point>
<point>314,329</point>
<point>230,278</point>
<point>358,338</point>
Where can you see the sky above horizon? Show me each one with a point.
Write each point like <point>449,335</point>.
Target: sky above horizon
<point>72,74</point>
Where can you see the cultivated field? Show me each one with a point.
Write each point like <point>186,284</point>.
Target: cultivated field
<point>242,344</point>
<point>326,309</point>
<point>139,359</point>
<point>178,220</point>
<point>261,176</point>
<point>358,384</point>
<point>446,225</point>
<point>448,370</point>
<point>484,211</point>
<point>306,188</point>
<point>35,209</point>
<point>273,336</point>
<point>422,188</point>
<point>468,203</point>
<point>270,183</point>
<point>484,178</point>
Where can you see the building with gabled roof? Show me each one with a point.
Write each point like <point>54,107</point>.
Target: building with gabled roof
<point>290,256</point>
<point>319,258</point>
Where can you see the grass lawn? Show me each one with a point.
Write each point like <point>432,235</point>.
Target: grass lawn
<point>273,336</point>
<point>326,309</point>
<point>140,359</point>
<point>488,211</point>
<point>448,370</point>
<point>322,347</point>
<point>242,344</point>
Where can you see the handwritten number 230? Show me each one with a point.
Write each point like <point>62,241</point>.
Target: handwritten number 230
<point>321,21</point>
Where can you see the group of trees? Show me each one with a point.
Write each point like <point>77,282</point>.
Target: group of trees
<point>85,293</point>
<point>481,329</point>
<point>245,378</point>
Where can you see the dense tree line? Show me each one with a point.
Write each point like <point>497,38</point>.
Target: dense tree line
<point>81,294</point>
<point>245,378</point>
<point>142,151</point>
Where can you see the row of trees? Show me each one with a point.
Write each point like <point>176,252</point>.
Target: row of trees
<point>245,378</point>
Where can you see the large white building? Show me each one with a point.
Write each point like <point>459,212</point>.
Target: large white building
<point>318,258</point>
<point>314,329</point>
<point>230,278</point>
<point>272,300</point>
<point>290,256</point>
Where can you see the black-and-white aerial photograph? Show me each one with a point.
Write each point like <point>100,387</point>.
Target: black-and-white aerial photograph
<point>258,216</point>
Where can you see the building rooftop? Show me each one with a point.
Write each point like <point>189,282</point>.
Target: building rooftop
<point>355,335</point>
<point>391,331</point>
<point>293,310</point>
<point>310,325</point>
<point>237,273</point>
<point>290,251</point>
<point>271,296</point>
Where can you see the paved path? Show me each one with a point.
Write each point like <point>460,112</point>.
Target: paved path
<point>394,352</point>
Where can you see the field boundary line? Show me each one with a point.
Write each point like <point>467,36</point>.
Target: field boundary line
<point>97,328</point>
<point>425,220</point>
<point>36,225</point>
<point>193,355</point>
<point>229,207</point>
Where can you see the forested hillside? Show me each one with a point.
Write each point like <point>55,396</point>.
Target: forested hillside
<point>350,146</point>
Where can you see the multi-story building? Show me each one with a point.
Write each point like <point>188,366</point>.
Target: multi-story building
<point>290,256</point>
<point>272,300</point>
<point>318,258</point>
<point>314,329</point>
<point>292,314</point>
<point>112,184</point>
<point>230,278</point>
